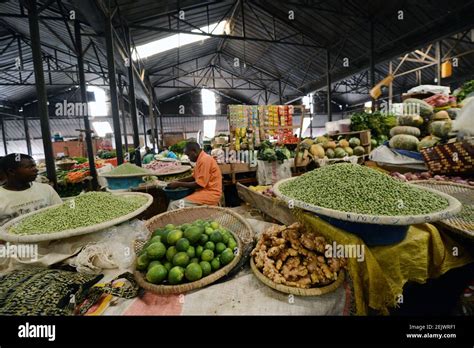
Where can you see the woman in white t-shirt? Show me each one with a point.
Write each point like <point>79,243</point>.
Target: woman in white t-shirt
<point>20,194</point>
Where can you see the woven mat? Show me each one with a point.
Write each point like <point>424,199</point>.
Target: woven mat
<point>463,222</point>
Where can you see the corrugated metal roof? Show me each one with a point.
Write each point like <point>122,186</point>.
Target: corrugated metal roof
<point>344,26</point>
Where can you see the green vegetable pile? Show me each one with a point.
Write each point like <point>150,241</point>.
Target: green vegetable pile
<point>378,123</point>
<point>84,210</point>
<point>128,169</point>
<point>269,152</point>
<point>358,189</point>
<point>178,148</point>
<point>186,253</point>
<point>466,89</point>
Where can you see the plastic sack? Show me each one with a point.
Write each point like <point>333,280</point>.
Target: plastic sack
<point>269,173</point>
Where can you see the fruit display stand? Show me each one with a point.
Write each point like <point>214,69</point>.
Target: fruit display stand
<point>237,225</point>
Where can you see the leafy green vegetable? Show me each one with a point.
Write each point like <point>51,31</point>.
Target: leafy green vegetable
<point>467,88</point>
<point>378,123</point>
<point>178,148</point>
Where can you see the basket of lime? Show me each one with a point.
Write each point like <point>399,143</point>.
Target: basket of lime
<point>184,252</point>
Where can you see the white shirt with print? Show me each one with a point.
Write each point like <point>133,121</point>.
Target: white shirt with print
<point>16,203</point>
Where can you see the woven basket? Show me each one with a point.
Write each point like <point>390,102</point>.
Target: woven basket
<point>453,158</point>
<point>461,223</point>
<point>400,220</point>
<point>297,291</point>
<point>236,224</point>
<point>35,238</point>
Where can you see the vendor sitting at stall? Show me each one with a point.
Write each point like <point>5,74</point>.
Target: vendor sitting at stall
<point>206,180</point>
<point>21,194</point>
<point>149,156</point>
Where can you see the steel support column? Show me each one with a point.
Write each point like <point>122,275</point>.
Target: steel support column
<point>162,144</point>
<point>27,134</point>
<point>372,61</point>
<point>82,84</point>
<point>122,111</point>
<point>41,90</point>
<point>4,137</point>
<point>279,92</point>
<point>438,62</point>
<point>109,40</point>
<point>328,82</point>
<point>144,130</point>
<point>132,103</point>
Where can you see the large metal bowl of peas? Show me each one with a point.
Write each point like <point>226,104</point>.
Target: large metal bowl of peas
<point>358,194</point>
<point>86,213</point>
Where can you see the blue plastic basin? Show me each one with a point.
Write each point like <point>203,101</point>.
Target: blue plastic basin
<point>178,193</point>
<point>371,234</point>
<point>124,183</point>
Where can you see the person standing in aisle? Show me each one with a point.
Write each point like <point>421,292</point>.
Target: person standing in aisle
<point>206,180</point>
<point>21,194</point>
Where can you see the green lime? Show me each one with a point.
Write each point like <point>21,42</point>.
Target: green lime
<point>215,264</point>
<point>206,268</point>
<point>156,251</point>
<point>182,244</point>
<point>216,237</point>
<point>227,256</point>
<point>193,272</point>
<point>209,246</point>
<point>193,234</point>
<point>208,230</point>
<point>207,255</point>
<point>225,238</point>
<point>232,244</point>
<point>175,275</point>
<point>170,227</point>
<point>184,227</point>
<point>181,259</point>
<point>170,253</point>
<point>168,265</point>
<point>204,238</point>
<point>174,236</point>
<point>155,239</point>
<point>191,251</point>
<point>198,222</point>
<point>158,232</point>
<point>220,247</point>
<point>199,250</point>
<point>156,274</point>
<point>215,225</point>
<point>153,263</point>
<point>194,260</point>
<point>142,262</point>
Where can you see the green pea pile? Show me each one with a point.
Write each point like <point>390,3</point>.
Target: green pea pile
<point>358,189</point>
<point>84,210</point>
<point>127,169</point>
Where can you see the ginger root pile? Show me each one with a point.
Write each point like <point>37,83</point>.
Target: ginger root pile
<point>291,256</point>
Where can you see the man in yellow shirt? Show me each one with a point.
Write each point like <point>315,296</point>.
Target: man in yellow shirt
<point>206,180</point>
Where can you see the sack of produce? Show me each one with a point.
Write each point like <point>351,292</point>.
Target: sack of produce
<point>441,116</point>
<point>404,142</point>
<point>405,130</point>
